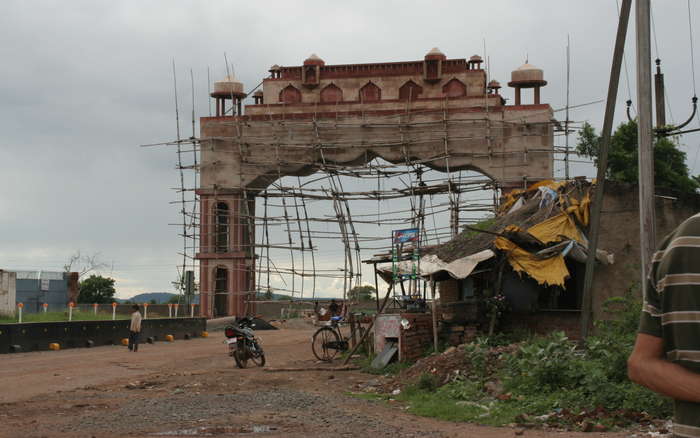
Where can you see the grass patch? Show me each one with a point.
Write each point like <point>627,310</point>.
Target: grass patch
<point>466,402</point>
<point>61,317</point>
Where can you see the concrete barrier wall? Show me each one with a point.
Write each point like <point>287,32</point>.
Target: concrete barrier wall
<point>36,336</point>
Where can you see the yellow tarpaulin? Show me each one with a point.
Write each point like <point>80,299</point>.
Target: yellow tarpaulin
<point>553,228</point>
<point>551,271</point>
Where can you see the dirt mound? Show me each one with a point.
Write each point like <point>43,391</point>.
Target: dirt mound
<point>447,365</point>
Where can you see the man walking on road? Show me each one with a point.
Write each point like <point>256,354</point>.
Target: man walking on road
<point>666,355</point>
<point>134,329</point>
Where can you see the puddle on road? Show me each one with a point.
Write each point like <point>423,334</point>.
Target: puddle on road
<point>219,430</point>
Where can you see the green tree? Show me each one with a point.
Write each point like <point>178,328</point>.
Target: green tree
<point>96,289</point>
<point>670,170</point>
<point>361,293</point>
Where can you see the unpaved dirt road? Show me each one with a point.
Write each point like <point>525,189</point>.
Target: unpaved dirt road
<point>191,388</point>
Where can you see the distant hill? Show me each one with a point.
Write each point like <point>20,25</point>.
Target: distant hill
<point>159,297</point>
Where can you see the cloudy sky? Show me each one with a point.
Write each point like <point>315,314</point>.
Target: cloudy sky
<point>84,83</point>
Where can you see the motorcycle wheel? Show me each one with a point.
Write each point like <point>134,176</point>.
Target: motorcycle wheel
<point>241,359</point>
<point>260,360</point>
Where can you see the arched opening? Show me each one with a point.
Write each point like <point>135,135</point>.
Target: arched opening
<point>290,94</point>
<point>331,94</point>
<point>313,233</point>
<point>370,93</point>
<point>220,291</point>
<point>454,88</point>
<point>410,91</point>
<point>221,227</point>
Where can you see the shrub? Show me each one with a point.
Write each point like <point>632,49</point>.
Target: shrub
<point>428,382</point>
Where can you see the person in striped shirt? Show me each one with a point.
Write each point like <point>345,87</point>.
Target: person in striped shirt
<point>666,355</point>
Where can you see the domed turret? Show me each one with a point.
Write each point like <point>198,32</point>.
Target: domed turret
<point>436,54</point>
<point>275,71</point>
<point>314,60</point>
<point>474,62</point>
<point>228,89</point>
<point>494,86</point>
<point>228,86</point>
<point>527,76</point>
<point>258,96</point>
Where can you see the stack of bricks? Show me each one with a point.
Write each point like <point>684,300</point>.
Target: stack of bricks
<point>418,338</point>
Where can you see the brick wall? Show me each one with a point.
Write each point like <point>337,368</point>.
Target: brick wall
<point>418,338</point>
<point>458,334</point>
<point>449,291</point>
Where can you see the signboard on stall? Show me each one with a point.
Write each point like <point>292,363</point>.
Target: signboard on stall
<point>405,236</point>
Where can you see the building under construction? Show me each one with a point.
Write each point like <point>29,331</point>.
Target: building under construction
<point>361,120</point>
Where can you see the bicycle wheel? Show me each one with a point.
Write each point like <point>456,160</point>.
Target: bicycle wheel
<point>325,344</point>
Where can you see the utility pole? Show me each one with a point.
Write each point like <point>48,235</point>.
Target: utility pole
<point>566,123</point>
<point>647,228</point>
<point>597,204</point>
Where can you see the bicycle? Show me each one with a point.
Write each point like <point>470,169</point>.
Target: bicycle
<point>329,340</point>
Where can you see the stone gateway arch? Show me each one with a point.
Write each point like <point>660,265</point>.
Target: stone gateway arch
<point>437,112</point>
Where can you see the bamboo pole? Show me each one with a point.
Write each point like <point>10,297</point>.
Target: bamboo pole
<point>369,328</point>
<point>434,306</point>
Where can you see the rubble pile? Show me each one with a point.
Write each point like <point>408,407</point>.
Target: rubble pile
<point>447,366</point>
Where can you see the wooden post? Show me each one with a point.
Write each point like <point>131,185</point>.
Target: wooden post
<point>376,286</point>
<point>435,334</point>
<point>371,324</point>
<point>353,340</point>
<point>597,203</point>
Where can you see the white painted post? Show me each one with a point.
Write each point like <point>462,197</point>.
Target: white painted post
<point>19,310</point>
<point>191,310</point>
<point>114,311</point>
<point>145,310</point>
<point>45,306</point>
<point>94,308</point>
<point>70,311</point>
<point>170,310</point>
<point>176,306</point>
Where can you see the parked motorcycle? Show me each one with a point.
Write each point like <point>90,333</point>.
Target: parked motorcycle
<point>242,343</point>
